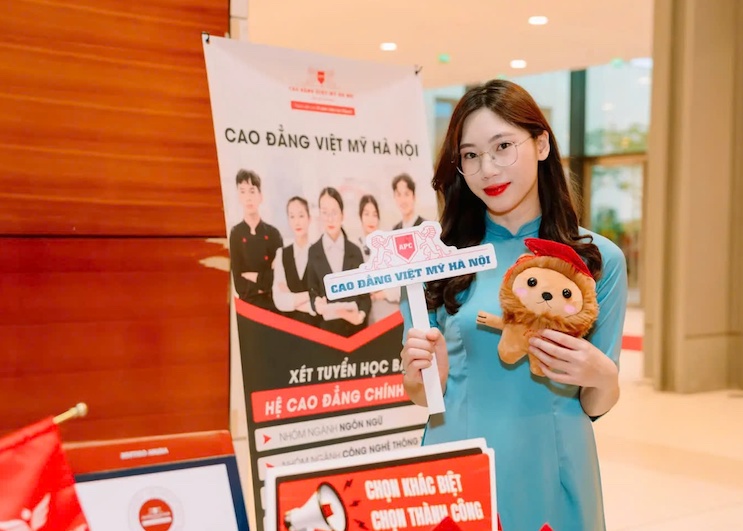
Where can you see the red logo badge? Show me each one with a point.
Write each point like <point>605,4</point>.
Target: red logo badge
<point>321,76</point>
<point>405,246</point>
<point>155,515</point>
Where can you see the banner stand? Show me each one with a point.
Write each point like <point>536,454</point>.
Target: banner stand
<point>316,152</point>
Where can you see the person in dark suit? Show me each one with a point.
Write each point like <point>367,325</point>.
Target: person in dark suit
<point>333,253</point>
<point>403,188</point>
<point>386,301</point>
<point>290,289</point>
<point>253,245</point>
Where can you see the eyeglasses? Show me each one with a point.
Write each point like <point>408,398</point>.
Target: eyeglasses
<point>501,154</point>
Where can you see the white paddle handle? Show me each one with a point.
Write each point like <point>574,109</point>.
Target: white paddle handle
<point>431,380</point>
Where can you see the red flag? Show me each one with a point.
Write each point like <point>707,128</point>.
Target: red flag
<point>37,491</point>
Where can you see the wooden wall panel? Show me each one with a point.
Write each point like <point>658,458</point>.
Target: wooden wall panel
<point>137,328</point>
<point>187,13</point>
<point>62,127</point>
<point>105,194</point>
<point>176,91</point>
<point>87,80</point>
<point>73,26</point>
<point>110,188</point>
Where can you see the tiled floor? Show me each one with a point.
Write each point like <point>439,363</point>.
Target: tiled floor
<point>668,461</point>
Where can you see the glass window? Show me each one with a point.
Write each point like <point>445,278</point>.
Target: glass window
<point>551,91</point>
<point>616,209</point>
<point>618,107</point>
<point>440,103</point>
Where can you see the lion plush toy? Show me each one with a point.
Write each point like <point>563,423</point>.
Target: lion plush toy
<point>551,288</point>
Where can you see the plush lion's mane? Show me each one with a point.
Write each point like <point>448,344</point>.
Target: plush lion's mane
<point>514,310</point>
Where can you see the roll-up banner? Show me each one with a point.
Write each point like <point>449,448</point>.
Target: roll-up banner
<point>315,153</point>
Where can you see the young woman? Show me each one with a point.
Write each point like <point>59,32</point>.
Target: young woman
<point>502,181</point>
<point>290,289</point>
<point>333,253</point>
<point>384,302</point>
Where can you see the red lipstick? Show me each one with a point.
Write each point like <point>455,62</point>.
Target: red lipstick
<point>493,191</point>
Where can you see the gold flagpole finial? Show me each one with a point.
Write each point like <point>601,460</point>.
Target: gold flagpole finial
<point>80,410</point>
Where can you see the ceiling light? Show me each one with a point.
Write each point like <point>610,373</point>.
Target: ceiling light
<point>538,20</point>
<point>518,63</point>
<point>388,46</point>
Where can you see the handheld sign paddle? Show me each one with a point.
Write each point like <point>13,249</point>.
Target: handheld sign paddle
<point>409,257</point>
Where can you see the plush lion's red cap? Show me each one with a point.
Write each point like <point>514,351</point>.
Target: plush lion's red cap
<point>564,252</point>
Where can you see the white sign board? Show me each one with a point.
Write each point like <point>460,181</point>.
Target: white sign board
<point>409,257</point>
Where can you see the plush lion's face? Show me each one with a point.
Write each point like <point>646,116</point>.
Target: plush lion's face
<point>548,292</point>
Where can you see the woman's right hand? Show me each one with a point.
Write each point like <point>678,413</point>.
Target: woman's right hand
<point>418,351</point>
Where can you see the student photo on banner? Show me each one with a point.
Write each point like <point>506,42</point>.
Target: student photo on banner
<point>333,253</point>
<point>403,188</point>
<point>253,245</point>
<point>290,287</point>
<point>384,302</point>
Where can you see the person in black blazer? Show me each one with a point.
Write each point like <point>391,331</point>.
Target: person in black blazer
<point>384,302</point>
<point>333,253</point>
<point>290,288</point>
<point>403,188</point>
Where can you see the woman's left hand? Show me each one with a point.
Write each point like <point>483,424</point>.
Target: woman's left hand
<point>572,360</point>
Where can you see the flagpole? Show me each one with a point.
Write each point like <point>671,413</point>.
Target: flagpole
<point>80,410</point>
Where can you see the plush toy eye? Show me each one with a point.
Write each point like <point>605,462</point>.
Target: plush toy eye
<point>532,282</point>
<point>567,293</point>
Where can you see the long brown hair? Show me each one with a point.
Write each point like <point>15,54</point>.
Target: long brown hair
<point>463,217</point>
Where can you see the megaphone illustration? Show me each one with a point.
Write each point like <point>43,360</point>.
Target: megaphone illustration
<point>324,510</point>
